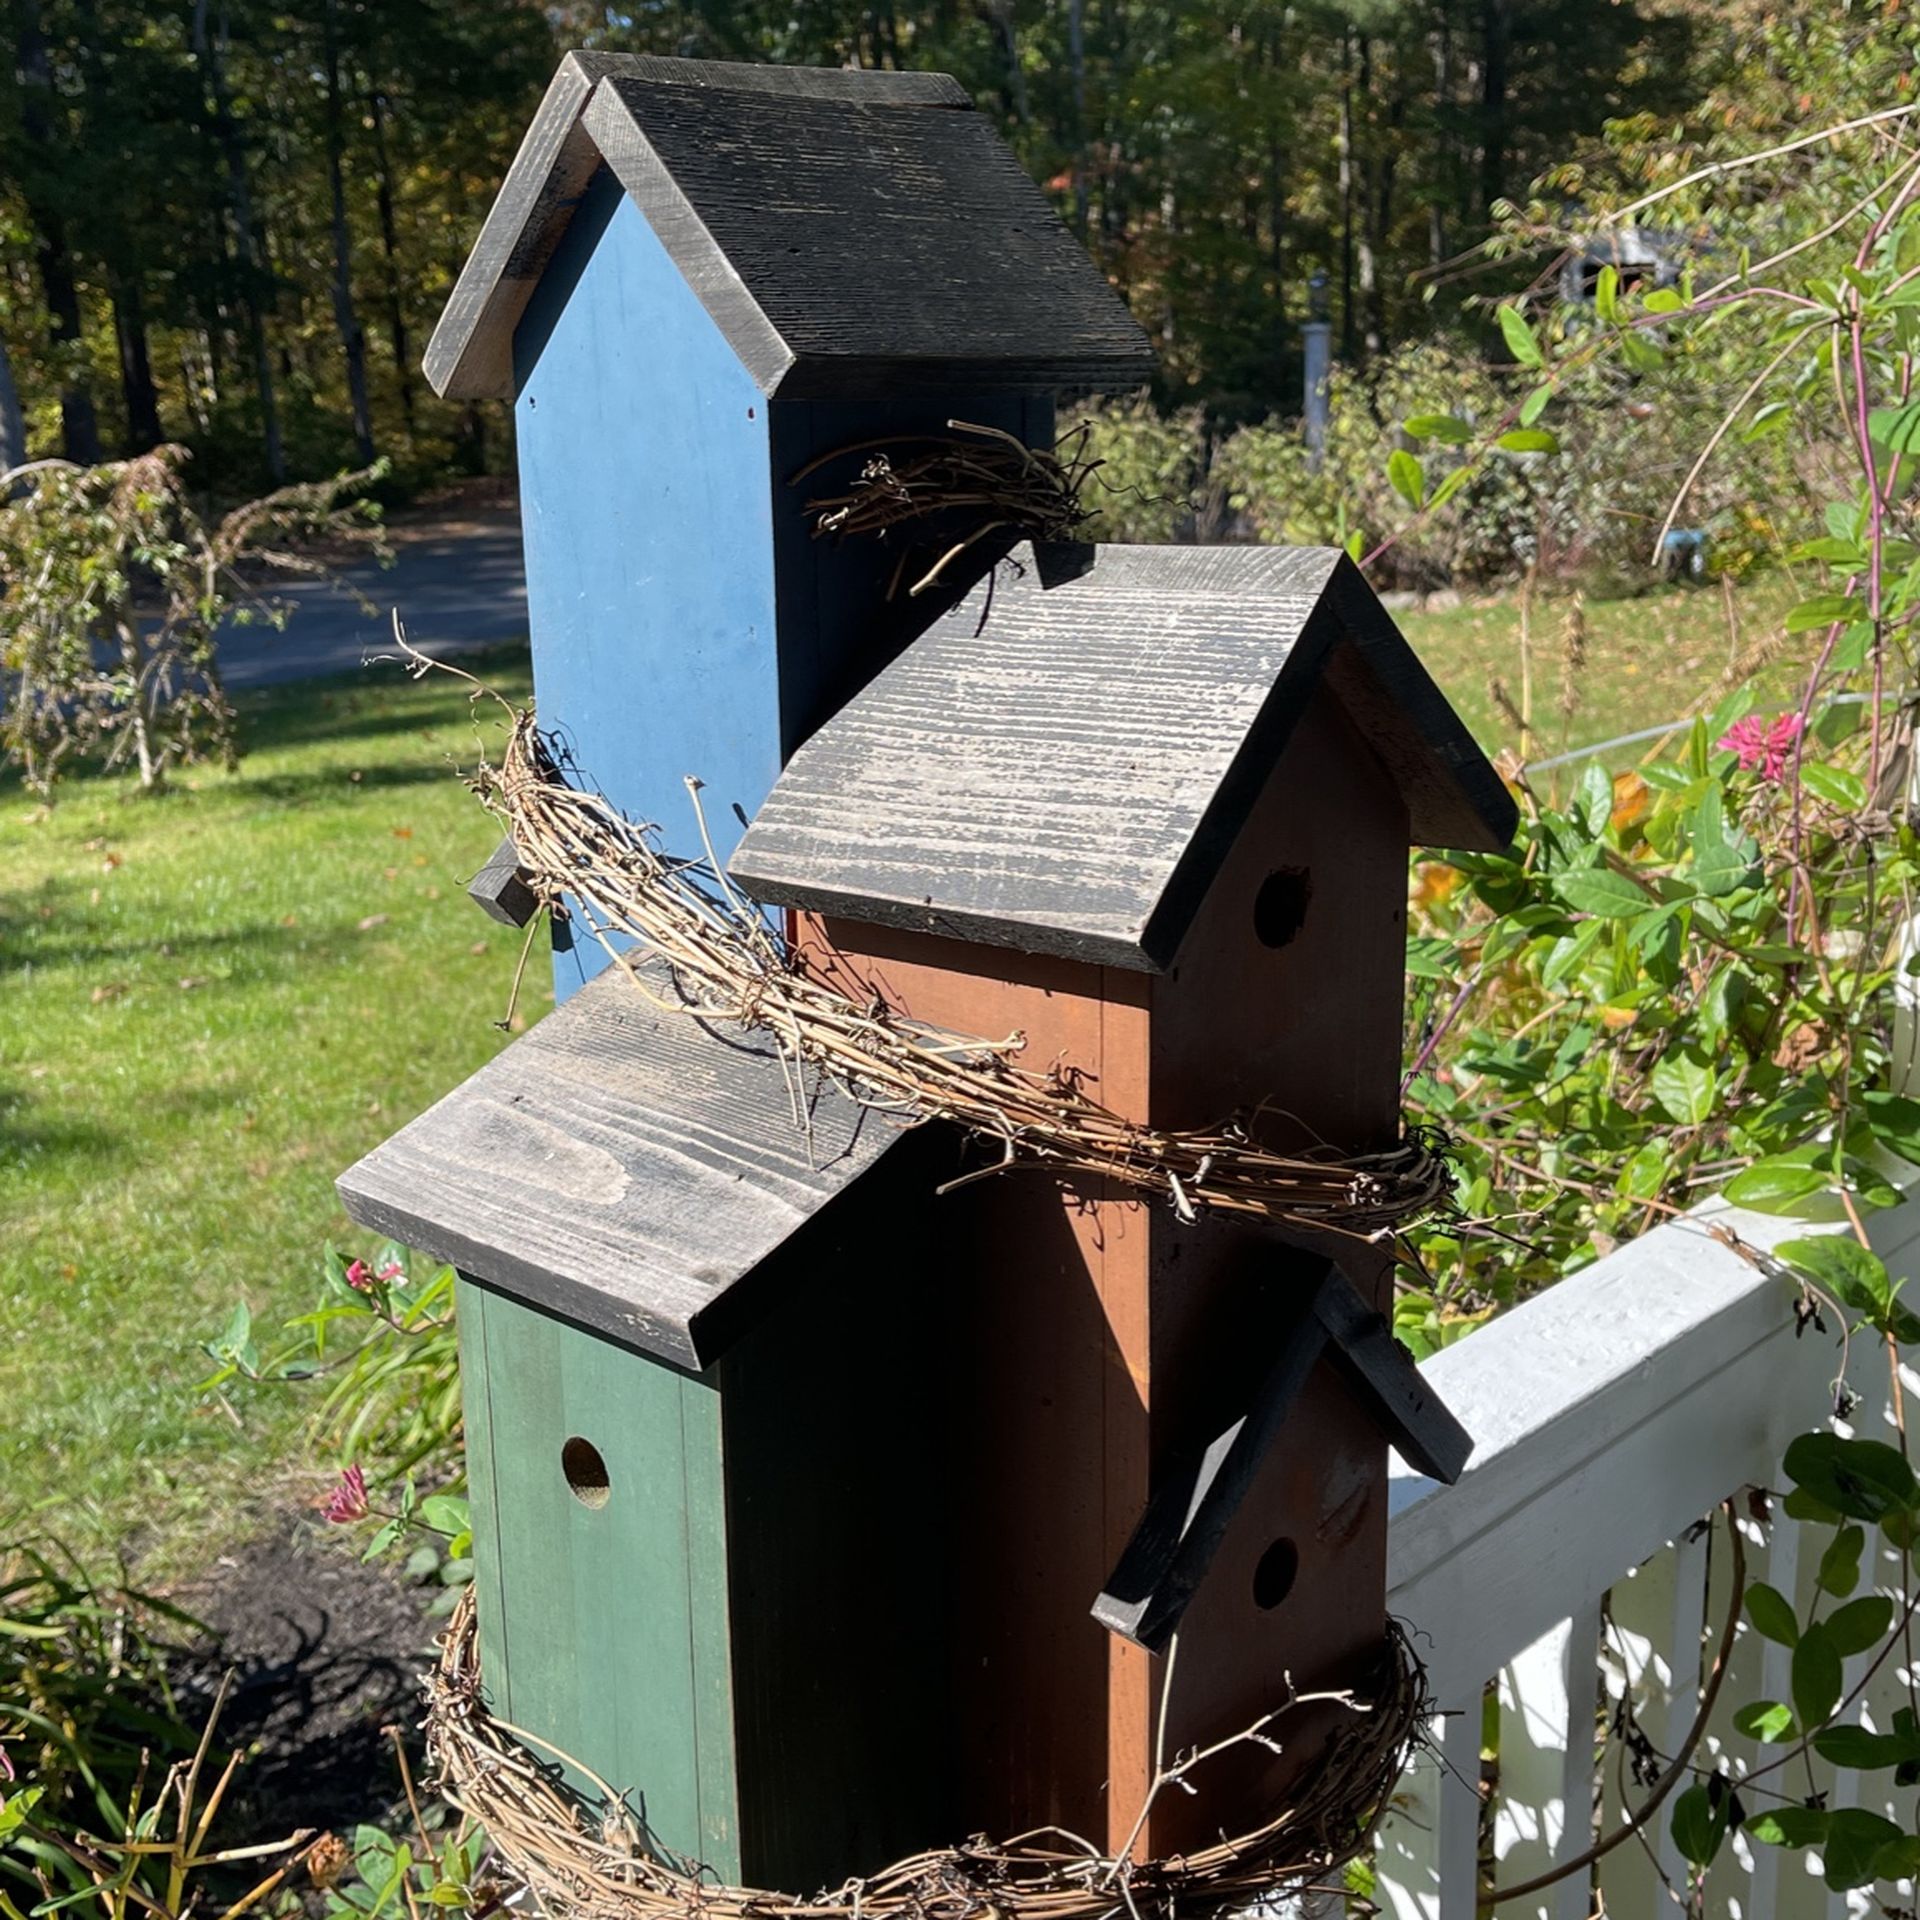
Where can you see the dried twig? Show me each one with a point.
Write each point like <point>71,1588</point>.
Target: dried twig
<point>687,940</point>
<point>978,472</point>
<point>594,1864</point>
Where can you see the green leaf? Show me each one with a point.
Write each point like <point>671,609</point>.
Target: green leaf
<point>1534,405</point>
<point>1520,338</point>
<point>1854,1841</point>
<point>1896,428</point>
<point>1447,427</point>
<point>1778,1185</point>
<point>1595,799</point>
<point>1606,295</point>
<point>1838,1262</point>
<point>1839,1570</point>
<point>1895,1121</point>
<point>1685,1085</point>
<point>1772,1614</point>
<point>1764,1720</point>
<point>1856,1747</point>
<point>1825,610</point>
<point>1863,1479</point>
<point>1664,300</point>
<point>1699,1825</point>
<point>1407,478</point>
<point>444,1513</point>
<point>1837,788</point>
<point>1817,1679</point>
<point>238,1330</point>
<point>1788,1827</point>
<point>1451,485</point>
<point>1529,440</point>
<point>1860,1624</point>
<point>1601,891</point>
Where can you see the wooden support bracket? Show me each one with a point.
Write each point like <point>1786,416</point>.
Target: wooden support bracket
<point>500,888</point>
<point>1189,1512</point>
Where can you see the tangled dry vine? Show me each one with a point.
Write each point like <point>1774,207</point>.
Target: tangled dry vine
<point>688,939</point>
<point>979,471</point>
<point>601,1867</point>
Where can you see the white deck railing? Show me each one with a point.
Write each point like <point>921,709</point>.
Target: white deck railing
<point>1611,1414</point>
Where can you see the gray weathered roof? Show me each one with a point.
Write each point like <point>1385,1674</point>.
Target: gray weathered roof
<point>841,227</point>
<point>626,1168</point>
<point>1068,776</point>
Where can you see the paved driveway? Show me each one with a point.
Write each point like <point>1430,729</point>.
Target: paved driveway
<point>458,584</point>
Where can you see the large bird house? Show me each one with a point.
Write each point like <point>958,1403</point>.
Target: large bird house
<point>827,1508</point>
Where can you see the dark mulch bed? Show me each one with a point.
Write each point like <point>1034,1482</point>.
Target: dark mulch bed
<point>326,1653</point>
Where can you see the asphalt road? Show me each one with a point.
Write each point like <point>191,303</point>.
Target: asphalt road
<point>457,584</point>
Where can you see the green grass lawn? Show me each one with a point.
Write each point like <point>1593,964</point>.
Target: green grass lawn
<point>215,1001</point>
<point>1648,660</point>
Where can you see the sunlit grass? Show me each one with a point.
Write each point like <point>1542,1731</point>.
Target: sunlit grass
<point>213,1002</point>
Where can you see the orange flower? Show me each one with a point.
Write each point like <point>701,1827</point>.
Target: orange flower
<point>1632,799</point>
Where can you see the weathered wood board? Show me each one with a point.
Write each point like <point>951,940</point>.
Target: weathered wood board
<point>1068,776</point>
<point>627,1168</point>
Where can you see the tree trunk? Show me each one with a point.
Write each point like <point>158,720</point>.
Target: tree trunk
<point>1495,30</point>
<point>390,247</point>
<point>13,429</point>
<point>1349,315</point>
<point>353,339</point>
<point>999,14</point>
<point>79,427</point>
<point>1442,186</point>
<point>207,51</point>
<point>136,367</point>
<point>1077,70</point>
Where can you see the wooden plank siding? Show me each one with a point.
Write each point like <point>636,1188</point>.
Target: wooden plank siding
<point>1099,1335</point>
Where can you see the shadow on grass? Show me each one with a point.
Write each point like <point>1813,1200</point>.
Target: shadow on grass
<point>308,712</point>
<point>258,951</point>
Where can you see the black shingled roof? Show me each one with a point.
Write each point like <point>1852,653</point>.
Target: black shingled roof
<point>846,230</point>
<point>1068,776</point>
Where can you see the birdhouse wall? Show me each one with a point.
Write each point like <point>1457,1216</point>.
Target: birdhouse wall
<point>1096,1335</point>
<point>747,1615</point>
<point>684,619</point>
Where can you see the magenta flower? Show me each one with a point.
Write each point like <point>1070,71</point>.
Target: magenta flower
<point>360,1276</point>
<point>348,1501</point>
<point>1762,746</point>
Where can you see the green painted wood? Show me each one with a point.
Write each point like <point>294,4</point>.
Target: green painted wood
<point>615,1614</point>
<point>476,1374</point>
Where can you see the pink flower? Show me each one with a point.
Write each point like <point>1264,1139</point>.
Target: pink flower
<point>348,1501</point>
<point>1762,747</point>
<point>6,1765</point>
<point>360,1277</point>
<point>391,1271</point>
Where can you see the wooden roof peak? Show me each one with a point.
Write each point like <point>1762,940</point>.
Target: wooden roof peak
<point>844,228</point>
<point>626,1168</point>
<point>1068,775</point>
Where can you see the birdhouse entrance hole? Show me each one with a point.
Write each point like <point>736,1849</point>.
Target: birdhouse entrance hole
<point>1273,1578</point>
<point>1280,907</point>
<point>586,1472</point>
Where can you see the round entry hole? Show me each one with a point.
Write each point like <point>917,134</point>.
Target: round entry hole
<point>1280,907</point>
<point>1273,1578</point>
<point>586,1472</point>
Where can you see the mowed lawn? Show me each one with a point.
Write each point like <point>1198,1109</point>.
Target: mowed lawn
<point>214,1001</point>
<point>210,1003</point>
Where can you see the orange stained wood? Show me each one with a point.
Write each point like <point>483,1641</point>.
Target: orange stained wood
<point>1093,1334</point>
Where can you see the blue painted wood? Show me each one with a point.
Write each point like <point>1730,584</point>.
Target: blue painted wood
<point>648,526</point>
